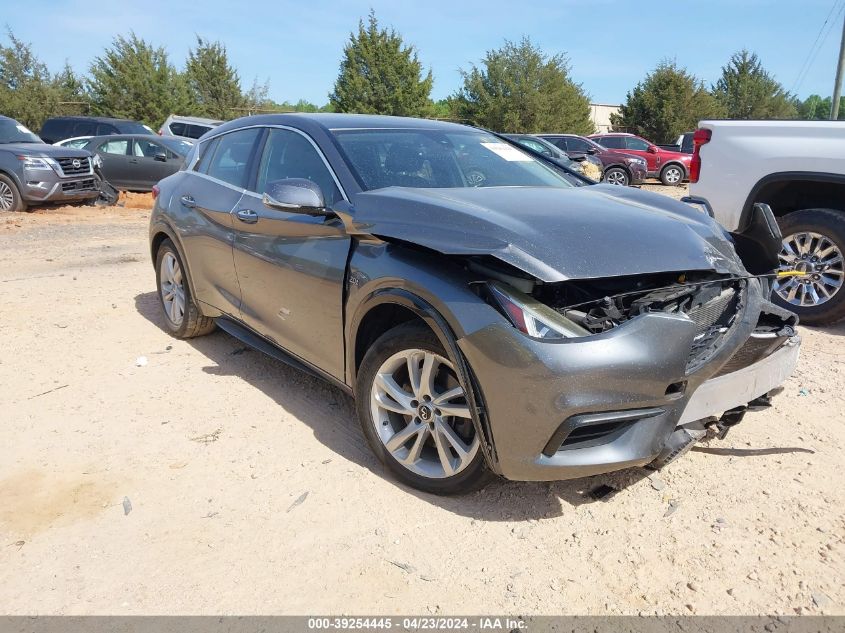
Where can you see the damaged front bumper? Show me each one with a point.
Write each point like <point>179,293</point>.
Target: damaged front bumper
<point>589,405</point>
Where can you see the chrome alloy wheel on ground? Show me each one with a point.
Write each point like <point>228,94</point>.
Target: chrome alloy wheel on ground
<point>616,177</point>
<point>421,415</point>
<point>821,264</point>
<point>172,289</point>
<point>7,198</point>
<point>673,175</point>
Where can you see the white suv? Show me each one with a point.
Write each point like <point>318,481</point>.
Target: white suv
<point>189,128</point>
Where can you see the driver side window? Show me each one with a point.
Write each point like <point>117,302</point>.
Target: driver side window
<point>288,154</point>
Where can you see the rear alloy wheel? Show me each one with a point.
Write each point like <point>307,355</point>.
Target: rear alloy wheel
<point>616,176</point>
<point>181,315</point>
<point>415,414</point>
<point>813,248</point>
<point>672,175</point>
<point>10,197</point>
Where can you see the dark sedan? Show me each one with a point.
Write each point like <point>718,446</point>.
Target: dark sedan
<point>136,162</point>
<point>587,165</point>
<point>489,312</point>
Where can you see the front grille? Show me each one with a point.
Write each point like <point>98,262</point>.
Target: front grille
<point>713,318</point>
<point>79,185</point>
<point>757,347</point>
<point>74,166</point>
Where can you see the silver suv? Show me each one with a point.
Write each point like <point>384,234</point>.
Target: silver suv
<point>189,128</point>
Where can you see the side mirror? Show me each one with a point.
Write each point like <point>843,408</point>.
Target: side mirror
<point>295,195</point>
<point>592,150</point>
<point>653,149</point>
<point>160,157</point>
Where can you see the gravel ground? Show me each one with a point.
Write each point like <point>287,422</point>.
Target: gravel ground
<point>212,479</point>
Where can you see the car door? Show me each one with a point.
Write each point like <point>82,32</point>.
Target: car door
<point>291,267</point>
<point>642,148</point>
<point>152,162</point>
<point>117,169</point>
<point>204,201</point>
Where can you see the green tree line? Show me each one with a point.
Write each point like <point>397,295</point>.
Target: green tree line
<point>515,88</point>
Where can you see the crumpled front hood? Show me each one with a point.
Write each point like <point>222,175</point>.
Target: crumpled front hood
<point>550,233</point>
<point>42,150</point>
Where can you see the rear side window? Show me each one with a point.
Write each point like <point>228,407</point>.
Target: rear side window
<point>177,128</point>
<point>577,145</point>
<point>613,142</point>
<point>636,143</point>
<point>195,131</point>
<point>206,152</point>
<point>84,128</point>
<point>231,159</point>
<point>558,142</point>
<point>104,129</point>
<point>115,147</point>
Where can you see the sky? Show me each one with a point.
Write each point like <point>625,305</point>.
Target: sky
<point>297,45</point>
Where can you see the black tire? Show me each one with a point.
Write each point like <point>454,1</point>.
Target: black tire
<point>672,175</point>
<point>831,224</point>
<point>18,203</point>
<point>406,337</point>
<point>193,322</point>
<point>617,176</point>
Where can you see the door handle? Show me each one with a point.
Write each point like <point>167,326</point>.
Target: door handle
<point>247,215</point>
<point>188,201</point>
<point>133,161</point>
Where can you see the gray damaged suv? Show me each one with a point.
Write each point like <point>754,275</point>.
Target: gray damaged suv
<point>534,326</point>
<point>34,172</point>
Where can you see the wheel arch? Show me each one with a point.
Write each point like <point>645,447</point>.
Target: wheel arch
<point>401,305</point>
<point>790,191</point>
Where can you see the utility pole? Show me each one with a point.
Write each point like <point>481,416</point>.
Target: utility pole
<point>837,87</point>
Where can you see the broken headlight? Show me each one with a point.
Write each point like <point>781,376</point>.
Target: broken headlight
<point>532,317</point>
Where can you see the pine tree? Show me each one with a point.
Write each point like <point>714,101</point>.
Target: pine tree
<point>746,91</point>
<point>135,80</point>
<point>518,88</point>
<point>380,75</point>
<point>667,103</point>
<point>214,84</point>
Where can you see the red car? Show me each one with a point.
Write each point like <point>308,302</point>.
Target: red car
<point>671,167</point>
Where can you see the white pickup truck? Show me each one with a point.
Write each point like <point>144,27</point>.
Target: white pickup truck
<point>798,169</point>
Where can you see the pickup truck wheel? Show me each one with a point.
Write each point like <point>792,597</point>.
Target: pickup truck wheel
<point>814,245</point>
<point>616,176</point>
<point>10,197</point>
<point>672,175</point>
<point>414,413</point>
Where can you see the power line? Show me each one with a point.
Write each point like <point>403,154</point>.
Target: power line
<point>814,49</point>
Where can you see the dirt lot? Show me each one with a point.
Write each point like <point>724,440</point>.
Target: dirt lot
<point>215,480</point>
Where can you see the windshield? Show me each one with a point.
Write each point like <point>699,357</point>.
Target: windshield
<point>13,132</point>
<point>433,158</point>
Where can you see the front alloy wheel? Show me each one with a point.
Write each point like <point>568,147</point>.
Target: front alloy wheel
<point>616,176</point>
<point>415,414</point>
<point>421,415</point>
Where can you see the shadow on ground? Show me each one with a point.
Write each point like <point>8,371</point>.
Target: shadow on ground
<point>334,423</point>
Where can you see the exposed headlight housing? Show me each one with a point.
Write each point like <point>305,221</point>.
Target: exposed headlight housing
<point>34,163</point>
<point>98,162</point>
<point>531,317</point>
